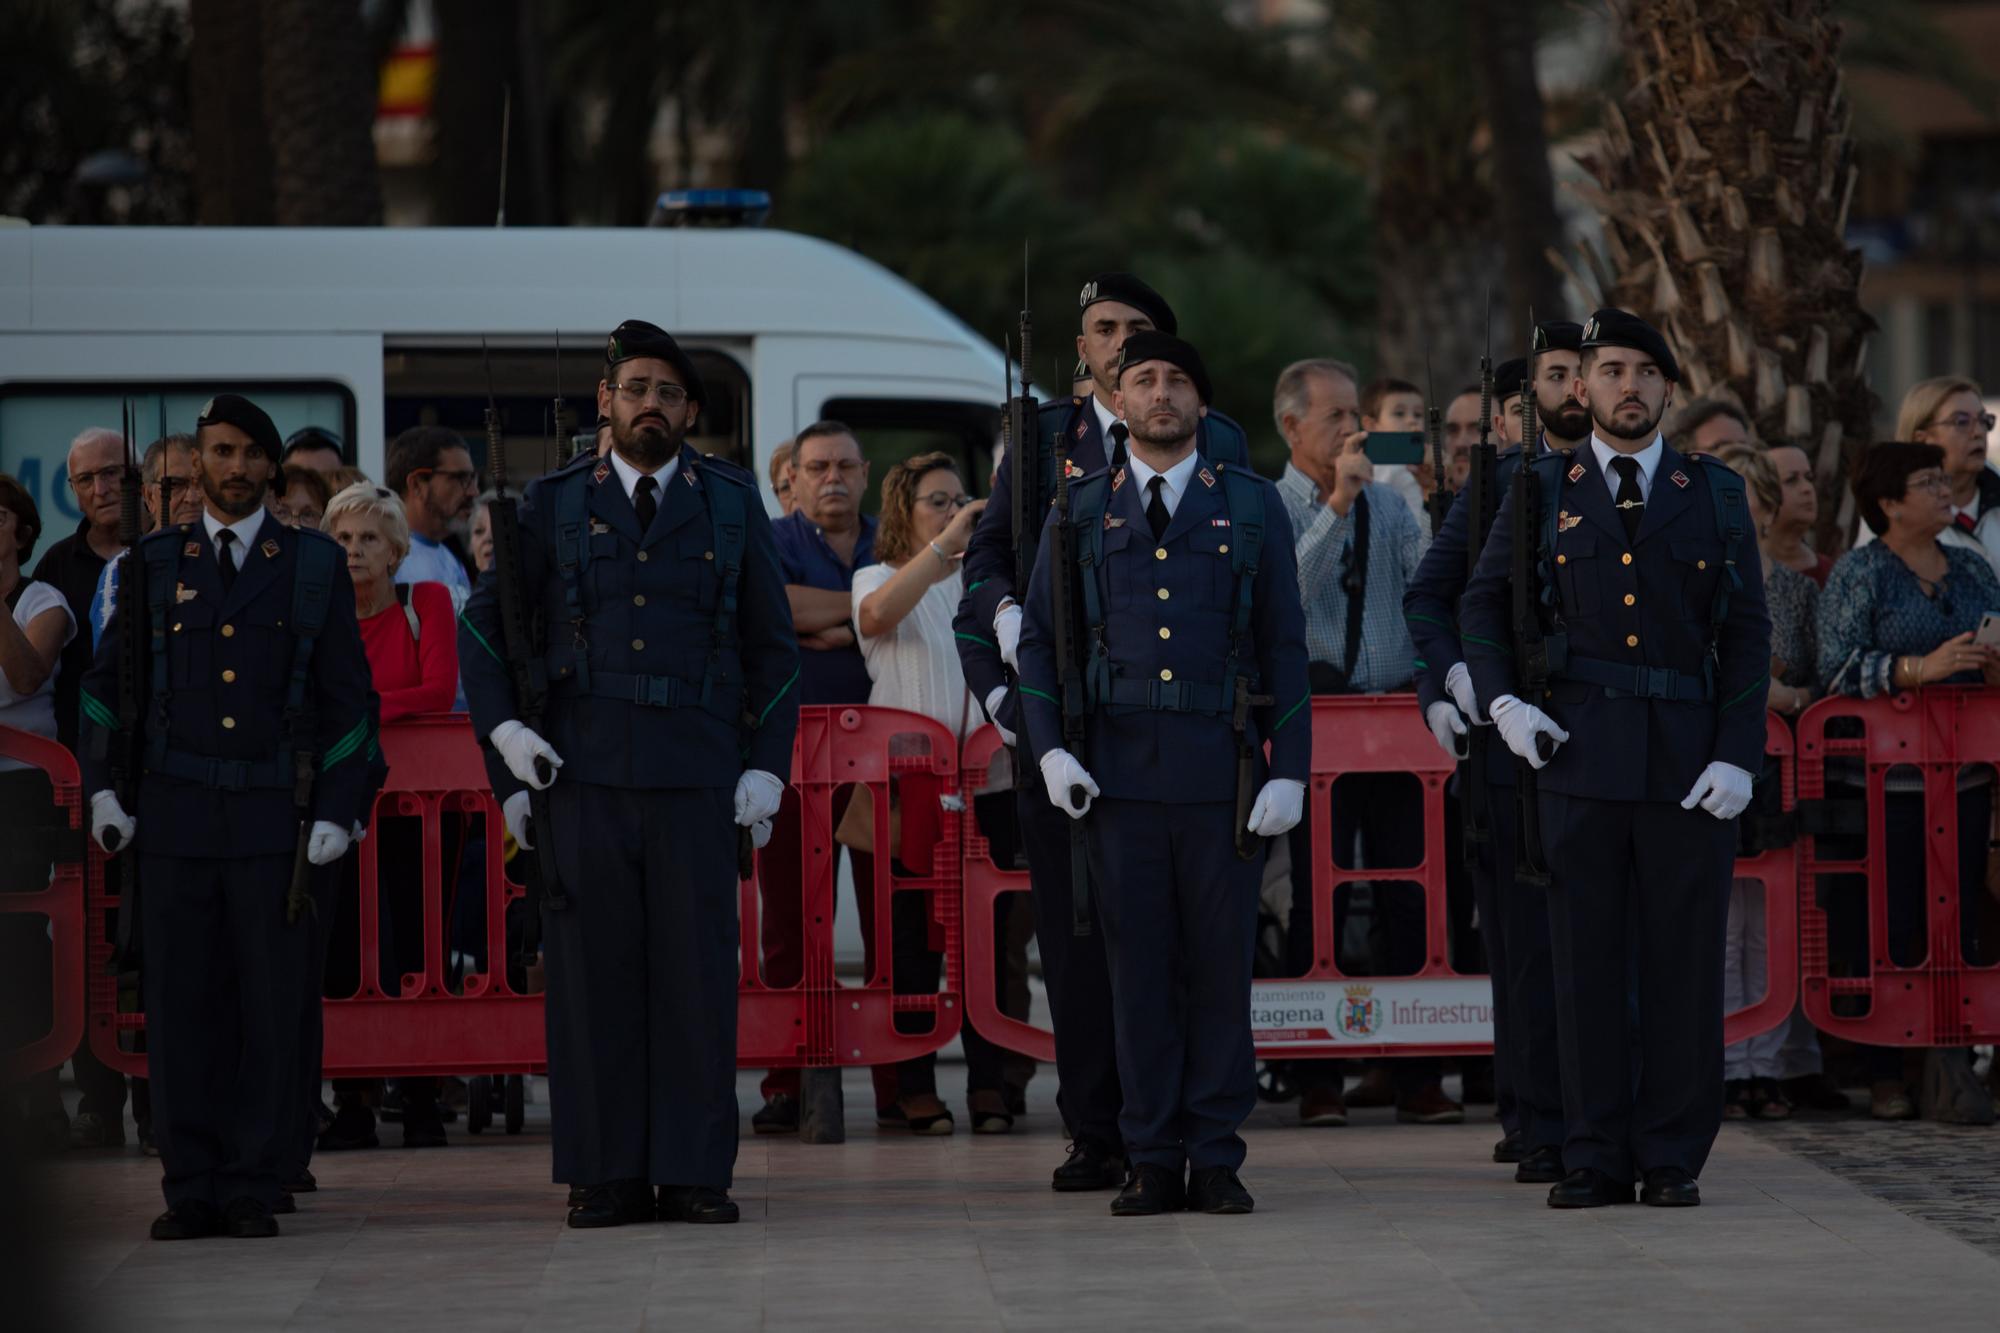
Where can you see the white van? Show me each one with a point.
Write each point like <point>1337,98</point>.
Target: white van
<point>367,332</point>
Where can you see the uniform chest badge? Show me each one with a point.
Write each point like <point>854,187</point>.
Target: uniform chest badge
<point>1218,522</point>
<point>183,593</point>
<point>603,471</point>
<point>1679,479</point>
<point>1117,479</point>
<point>1110,522</point>
<point>1082,427</point>
<point>687,475</point>
<point>191,549</point>
<point>270,549</point>
<point>599,528</point>
<point>1070,468</point>
<point>1576,472</point>
<point>1565,521</point>
<point>1208,479</point>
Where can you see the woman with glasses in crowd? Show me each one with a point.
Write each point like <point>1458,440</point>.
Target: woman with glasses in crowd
<point>1900,613</point>
<point>1950,413</point>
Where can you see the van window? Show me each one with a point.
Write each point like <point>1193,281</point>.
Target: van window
<point>37,422</point>
<point>892,429</point>
<point>439,382</point>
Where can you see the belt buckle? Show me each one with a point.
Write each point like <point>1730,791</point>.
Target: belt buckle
<point>228,774</point>
<point>653,691</point>
<point>1658,682</point>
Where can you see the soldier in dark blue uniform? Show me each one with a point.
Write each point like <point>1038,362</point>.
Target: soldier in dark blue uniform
<point>1513,916</point>
<point>670,719</point>
<point>1074,433</point>
<point>255,660</point>
<point>1177,630</point>
<point>1652,608</point>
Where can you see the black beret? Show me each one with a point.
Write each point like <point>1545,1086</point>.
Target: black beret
<point>1508,377</point>
<point>1152,345</point>
<point>1617,328</point>
<point>1558,335</point>
<point>636,338</point>
<point>235,410</point>
<point>1125,288</point>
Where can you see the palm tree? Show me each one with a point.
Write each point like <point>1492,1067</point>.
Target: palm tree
<point>319,111</point>
<point>1723,181</point>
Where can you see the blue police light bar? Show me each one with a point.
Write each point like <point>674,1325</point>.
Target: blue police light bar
<point>711,208</point>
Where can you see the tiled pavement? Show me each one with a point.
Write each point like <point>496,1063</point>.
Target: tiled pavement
<point>1372,1226</point>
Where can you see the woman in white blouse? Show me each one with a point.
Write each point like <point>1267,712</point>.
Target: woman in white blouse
<point>903,607</point>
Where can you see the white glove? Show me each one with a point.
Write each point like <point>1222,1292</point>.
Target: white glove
<point>1520,723</point>
<point>358,832</point>
<point>1278,807</point>
<point>328,843</point>
<point>758,795</point>
<point>760,833</point>
<point>1060,772</point>
<point>1448,727</point>
<point>515,811</point>
<point>1722,789</point>
<point>520,748</point>
<point>107,817</point>
<point>994,698</point>
<point>1459,681</point>
<point>1007,631</point>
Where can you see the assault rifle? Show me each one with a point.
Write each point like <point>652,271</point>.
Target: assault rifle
<point>520,641</point>
<point>1480,505</point>
<point>127,754</point>
<point>1069,650</point>
<point>1440,501</point>
<point>1531,647</point>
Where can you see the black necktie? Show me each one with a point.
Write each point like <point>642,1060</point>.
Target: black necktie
<point>643,501</point>
<point>1156,507</point>
<point>225,551</point>
<point>1631,500</point>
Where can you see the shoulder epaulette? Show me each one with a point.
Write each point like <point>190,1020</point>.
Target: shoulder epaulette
<point>714,466</point>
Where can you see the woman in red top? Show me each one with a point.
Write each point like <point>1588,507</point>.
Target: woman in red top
<point>412,642</point>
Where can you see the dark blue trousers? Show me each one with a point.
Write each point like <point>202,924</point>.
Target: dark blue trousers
<point>642,968</point>
<point>1180,924</point>
<point>226,986</point>
<point>1637,912</point>
<point>1514,919</point>
<point>1077,977</point>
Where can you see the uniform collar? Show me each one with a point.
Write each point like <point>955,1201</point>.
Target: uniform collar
<point>246,529</point>
<point>1176,478</point>
<point>1105,416</point>
<point>1647,458</point>
<point>628,476</point>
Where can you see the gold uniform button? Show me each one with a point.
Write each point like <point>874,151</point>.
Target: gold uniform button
<point>1625,559</point>
<point>229,677</point>
<point>229,631</point>
<point>1166,674</point>
<point>638,645</point>
<point>639,599</point>
<point>1631,641</point>
<point>708,555</point>
<point>642,557</point>
<point>1223,549</point>
<point>1630,600</point>
<point>1701,564</point>
<point>1164,594</point>
<point>1159,553</point>
<point>1562,559</point>
<point>229,724</point>
<point>177,627</point>
<point>1166,633</point>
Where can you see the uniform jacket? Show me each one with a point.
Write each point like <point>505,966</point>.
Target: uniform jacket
<point>649,601</point>
<point>1168,609</point>
<point>229,661</point>
<point>1649,602</point>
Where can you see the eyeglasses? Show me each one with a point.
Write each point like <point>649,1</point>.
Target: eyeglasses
<point>637,391</point>
<point>457,476</point>
<point>943,499</point>
<point>1965,420</point>
<point>1928,481</point>
<point>819,467</point>
<point>105,478</point>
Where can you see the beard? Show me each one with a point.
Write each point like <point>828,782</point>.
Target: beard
<point>1570,421</point>
<point>646,442</point>
<point>1162,435</point>
<point>235,503</point>
<point>1642,427</point>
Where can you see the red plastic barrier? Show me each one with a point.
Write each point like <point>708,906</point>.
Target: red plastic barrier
<point>1939,1001</point>
<point>61,901</point>
<point>985,882</point>
<point>1777,869</point>
<point>819,1022</point>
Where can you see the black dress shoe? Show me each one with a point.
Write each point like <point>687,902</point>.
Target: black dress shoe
<point>779,1115</point>
<point>1091,1166</point>
<point>613,1205</point>
<point>1149,1191</point>
<point>190,1220</point>
<point>303,1183</point>
<point>1543,1166</point>
<point>286,1203</point>
<point>248,1219</point>
<point>1588,1188</point>
<point>1670,1187</point>
<point>1215,1189</point>
<point>353,1127</point>
<point>696,1203</point>
<point>1510,1149</point>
